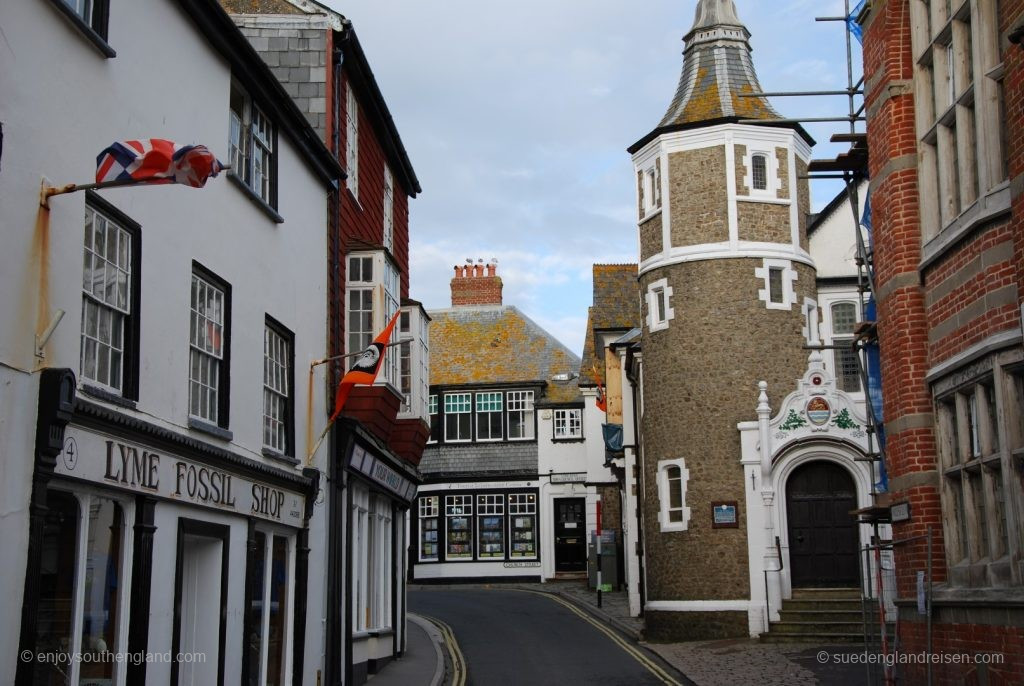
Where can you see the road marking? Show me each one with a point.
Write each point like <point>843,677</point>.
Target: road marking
<point>651,666</point>
<point>458,661</point>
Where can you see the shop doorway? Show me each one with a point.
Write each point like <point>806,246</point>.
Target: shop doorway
<point>822,532</point>
<point>200,606</point>
<point>570,535</point>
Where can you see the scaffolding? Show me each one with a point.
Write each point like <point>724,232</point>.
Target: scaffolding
<point>851,167</point>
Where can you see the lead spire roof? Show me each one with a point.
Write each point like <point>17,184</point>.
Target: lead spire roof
<point>717,69</point>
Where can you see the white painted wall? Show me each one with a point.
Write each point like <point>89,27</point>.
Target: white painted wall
<point>63,102</point>
<point>833,245</point>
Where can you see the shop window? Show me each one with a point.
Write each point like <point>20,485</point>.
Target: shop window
<point>428,519</point>
<point>269,608</point>
<point>846,365</point>
<point>278,384</point>
<point>378,565</point>
<point>458,416</point>
<point>519,407</point>
<point>522,512</point>
<point>490,512</point>
<point>458,510</point>
<point>568,425</point>
<point>110,288</point>
<point>81,588</point>
<point>488,416</point>
<point>352,140</point>
<point>251,143</point>
<point>673,514</point>
<point>209,342</point>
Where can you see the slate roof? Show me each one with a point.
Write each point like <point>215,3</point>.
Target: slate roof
<point>717,69</point>
<point>479,460</point>
<point>616,308</point>
<point>498,345</point>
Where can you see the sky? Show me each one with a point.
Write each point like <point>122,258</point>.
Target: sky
<point>517,114</point>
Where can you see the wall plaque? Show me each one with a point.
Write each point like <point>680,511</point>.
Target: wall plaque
<point>725,515</point>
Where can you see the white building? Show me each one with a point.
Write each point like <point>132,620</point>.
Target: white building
<point>155,435</point>
<point>511,488</point>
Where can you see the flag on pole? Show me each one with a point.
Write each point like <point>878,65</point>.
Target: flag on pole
<point>851,21</point>
<point>156,161</point>
<point>602,401</point>
<point>366,367</point>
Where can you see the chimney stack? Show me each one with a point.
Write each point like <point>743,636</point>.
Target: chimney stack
<point>475,286</point>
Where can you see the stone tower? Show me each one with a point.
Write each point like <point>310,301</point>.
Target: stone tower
<point>724,276</point>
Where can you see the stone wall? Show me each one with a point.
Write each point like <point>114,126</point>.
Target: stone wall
<point>651,240</point>
<point>764,222</point>
<point>696,193</point>
<point>700,380</point>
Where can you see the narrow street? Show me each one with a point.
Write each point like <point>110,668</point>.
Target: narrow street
<point>521,637</point>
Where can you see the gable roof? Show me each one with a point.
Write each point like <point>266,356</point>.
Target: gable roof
<point>616,308</point>
<point>498,345</point>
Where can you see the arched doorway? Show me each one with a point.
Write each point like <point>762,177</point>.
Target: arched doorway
<point>823,540</point>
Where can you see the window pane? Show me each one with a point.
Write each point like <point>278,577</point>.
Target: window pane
<point>255,608</point>
<point>759,164</point>
<point>775,285</point>
<point>278,611</point>
<point>102,582</point>
<point>57,586</point>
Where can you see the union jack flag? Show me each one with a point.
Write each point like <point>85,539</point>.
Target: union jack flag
<point>157,161</point>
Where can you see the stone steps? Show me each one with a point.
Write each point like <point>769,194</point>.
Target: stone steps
<point>820,615</point>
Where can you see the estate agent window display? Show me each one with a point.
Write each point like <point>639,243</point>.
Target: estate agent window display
<point>482,527</point>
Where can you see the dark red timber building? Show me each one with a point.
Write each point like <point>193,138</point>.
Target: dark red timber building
<point>379,439</point>
<point>945,111</point>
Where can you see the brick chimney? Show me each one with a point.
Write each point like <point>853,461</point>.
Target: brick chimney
<point>476,284</point>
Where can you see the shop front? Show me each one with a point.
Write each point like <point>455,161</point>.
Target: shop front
<point>484,530</point>
<point>158,558</point>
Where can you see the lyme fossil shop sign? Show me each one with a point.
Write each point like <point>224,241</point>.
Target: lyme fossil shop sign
<point>134,467</point>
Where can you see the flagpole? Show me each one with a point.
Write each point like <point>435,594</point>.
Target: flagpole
<point>50,191</point>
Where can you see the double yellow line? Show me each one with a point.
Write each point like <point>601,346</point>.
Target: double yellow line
<point>637,655</point>
<point>458,661</point>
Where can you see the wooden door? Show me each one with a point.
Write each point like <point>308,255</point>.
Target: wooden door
<point>823,542</point>
<point>570,535</point>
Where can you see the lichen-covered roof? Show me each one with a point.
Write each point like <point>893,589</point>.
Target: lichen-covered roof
<point>717,70</point>
<point>498,345</point>
<point>260,7</point>
<point>616,307</point>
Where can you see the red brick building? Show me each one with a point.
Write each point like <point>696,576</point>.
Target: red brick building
<point>945,108</point>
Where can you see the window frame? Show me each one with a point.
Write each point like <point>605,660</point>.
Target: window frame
<point>428,508</point>
<point>566,416</point>
<point>241,152</point>
<point>352,139</point>
<point>468,399</point>
<point>224,365</point>
<point>385,279</point>
<point>843,346</point>
<point>665,509</point>
<point>83,496</point>
<point>96,28</point>
<point>772,172</point>
<point>659,305</point>
<point>961,122</point>
<point>788,276</point>
<point>478,414</point>
<point>131,329</point>
<point>529,410</point>
<point>491,505</point>
<point>389,210</point>
<point>272,326</point>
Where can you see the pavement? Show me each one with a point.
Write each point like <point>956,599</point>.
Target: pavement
<point>427,662</point>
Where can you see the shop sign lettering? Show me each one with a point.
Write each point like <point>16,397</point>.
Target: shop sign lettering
<point>109,461</point>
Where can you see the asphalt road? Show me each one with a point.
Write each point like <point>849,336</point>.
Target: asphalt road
<point>528,639</point>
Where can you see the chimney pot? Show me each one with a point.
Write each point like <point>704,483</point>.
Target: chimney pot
<point>490,270</point>
<point>457,270</point>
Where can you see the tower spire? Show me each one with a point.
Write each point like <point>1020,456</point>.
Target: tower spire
<point>717,69</point>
